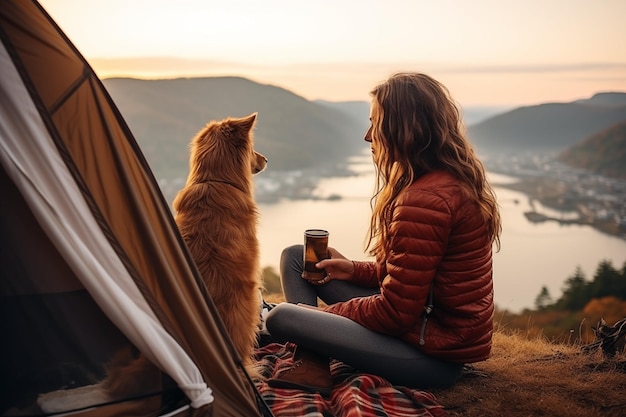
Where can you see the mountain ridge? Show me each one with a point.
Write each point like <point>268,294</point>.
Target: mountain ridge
<point>548,127</point>
<point>291,131</point>
<point>296,134</point>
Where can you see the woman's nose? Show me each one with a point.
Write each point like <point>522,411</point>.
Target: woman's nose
<point>368,135</point>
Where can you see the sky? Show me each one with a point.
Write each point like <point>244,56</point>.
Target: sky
<point>487,52</point>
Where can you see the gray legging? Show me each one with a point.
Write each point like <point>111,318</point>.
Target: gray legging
<point>345,340</point>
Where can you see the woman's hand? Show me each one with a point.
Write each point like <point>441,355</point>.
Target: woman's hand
<point>337,267</point>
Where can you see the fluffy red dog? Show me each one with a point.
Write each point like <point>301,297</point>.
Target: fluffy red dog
<point>217,217</point>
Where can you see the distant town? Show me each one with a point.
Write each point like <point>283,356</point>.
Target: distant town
<point>590,199</point>
<point>273,186</point>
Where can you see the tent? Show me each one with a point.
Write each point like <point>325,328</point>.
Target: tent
<point>92,261</point>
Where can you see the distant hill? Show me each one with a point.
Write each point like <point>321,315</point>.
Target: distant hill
<point>603,153</point>
<point>291,131</point>
<point>548,127</point>
<point>295,133</point>
<point>476,114</point>
<point>359,110</point>
<point>605,99</point>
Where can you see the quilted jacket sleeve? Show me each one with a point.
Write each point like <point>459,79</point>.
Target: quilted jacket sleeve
<point>368,274</point>
<point>419,233</point>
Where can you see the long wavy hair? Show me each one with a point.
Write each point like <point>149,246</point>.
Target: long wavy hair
<point>416,128</point>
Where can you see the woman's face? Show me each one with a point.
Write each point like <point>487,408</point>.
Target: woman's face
<point>368,135</point>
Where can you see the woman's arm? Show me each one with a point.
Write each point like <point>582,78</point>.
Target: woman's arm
<point>339,267</point>
<point>419,233</point>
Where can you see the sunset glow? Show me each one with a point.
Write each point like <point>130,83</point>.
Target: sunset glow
<point>487,52</point>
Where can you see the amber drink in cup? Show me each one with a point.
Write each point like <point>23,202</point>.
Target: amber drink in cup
<point>315,249</point>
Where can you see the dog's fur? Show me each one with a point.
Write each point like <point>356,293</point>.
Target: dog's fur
<point>217,217</point>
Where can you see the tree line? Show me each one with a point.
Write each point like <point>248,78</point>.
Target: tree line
<point>578,291</point>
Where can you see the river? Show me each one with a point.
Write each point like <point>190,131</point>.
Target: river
<point>532,254</point>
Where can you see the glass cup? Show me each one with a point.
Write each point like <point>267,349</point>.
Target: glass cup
<point>315,249</point>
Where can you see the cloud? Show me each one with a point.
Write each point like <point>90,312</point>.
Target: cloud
<point>538,68</point>
<point>175,65</point>
<point>339,81</point>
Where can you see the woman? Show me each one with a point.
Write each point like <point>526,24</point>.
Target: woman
<point>424,307</point>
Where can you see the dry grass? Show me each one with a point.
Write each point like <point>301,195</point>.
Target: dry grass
<point>536,378</point>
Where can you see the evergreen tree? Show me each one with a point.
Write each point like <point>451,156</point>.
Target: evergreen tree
<point>622,283</point>
<point>271,281</point>
<point>543,300</point>
<point>607,281</point>
<point>575,292</point>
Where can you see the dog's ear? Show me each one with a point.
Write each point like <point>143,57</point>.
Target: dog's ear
<point>248,121</point>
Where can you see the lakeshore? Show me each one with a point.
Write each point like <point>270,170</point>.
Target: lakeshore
<point>574,196</point>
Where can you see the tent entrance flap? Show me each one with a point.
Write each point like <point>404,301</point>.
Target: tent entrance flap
<point>56,339</point>
<point>95,276</point>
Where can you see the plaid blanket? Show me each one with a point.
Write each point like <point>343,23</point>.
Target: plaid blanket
<point>354,394</point>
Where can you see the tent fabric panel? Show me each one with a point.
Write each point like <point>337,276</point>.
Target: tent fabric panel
<point>62,212</point>
<point>40,46</point>
<point>176,292</point>
<point>125,197</point>
<point>127,189</point>
<point>170,293</point>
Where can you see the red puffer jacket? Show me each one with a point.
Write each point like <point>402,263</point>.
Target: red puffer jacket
<point>438,240</point>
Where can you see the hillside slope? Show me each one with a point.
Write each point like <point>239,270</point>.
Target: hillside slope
<point>291,131</point>
<point>603,153</point>
<point>548,127</point>
<point>535,378</point>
